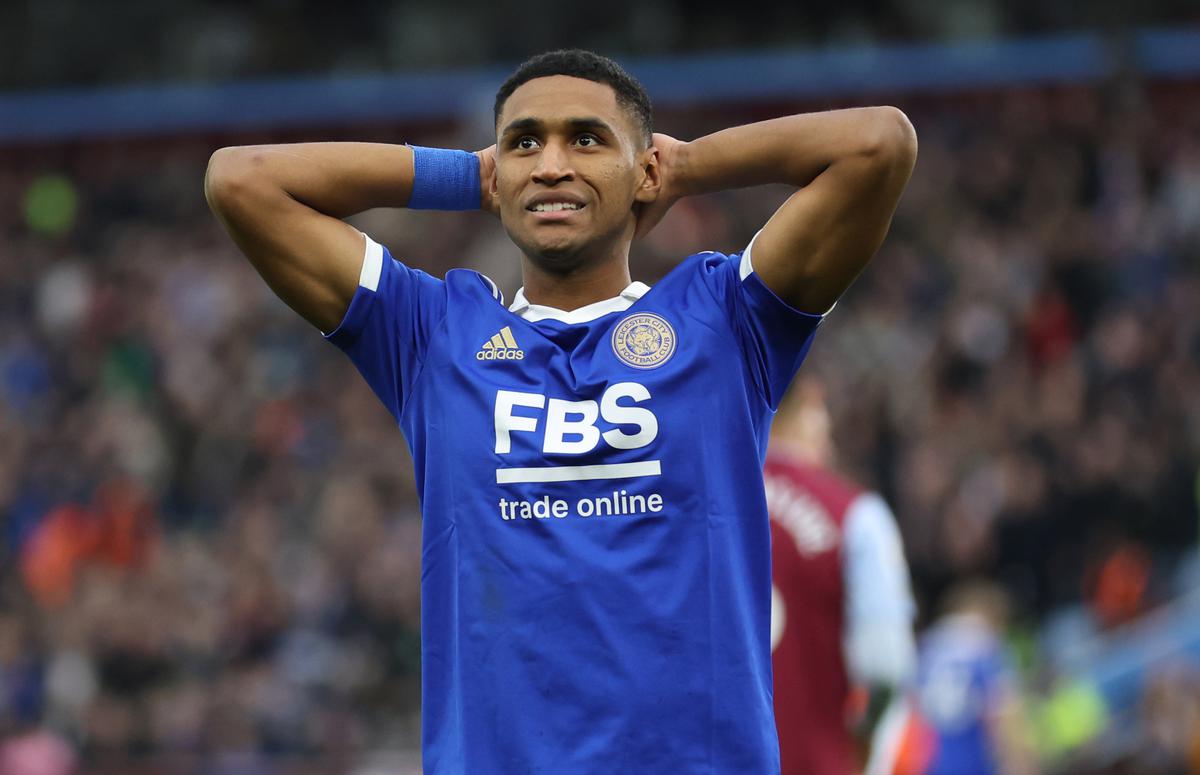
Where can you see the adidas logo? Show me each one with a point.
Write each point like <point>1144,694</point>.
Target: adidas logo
<point>501,347</point>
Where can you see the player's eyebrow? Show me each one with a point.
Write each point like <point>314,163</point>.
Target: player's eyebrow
<point>577,124</point>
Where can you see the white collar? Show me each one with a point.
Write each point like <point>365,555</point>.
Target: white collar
<point>522,308</point>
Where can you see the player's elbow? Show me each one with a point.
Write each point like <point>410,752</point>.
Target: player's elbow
<point>229,178</point>
<point>892,140</point>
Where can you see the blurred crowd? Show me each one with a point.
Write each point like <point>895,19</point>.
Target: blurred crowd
<point>1019,370</point>
<point>53,43</point>
<point>210,550</point>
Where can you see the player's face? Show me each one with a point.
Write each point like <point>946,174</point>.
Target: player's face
<point>568,169</point>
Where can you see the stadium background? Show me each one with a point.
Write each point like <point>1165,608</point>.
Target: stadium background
<point>209,536</point>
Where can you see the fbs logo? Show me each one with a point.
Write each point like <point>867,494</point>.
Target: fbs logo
<point>501,347</point>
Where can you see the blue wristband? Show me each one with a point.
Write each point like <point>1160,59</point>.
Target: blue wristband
<point>444,180</point>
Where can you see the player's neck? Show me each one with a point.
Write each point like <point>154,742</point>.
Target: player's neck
<point>803,452</point>
<point>579,287</point>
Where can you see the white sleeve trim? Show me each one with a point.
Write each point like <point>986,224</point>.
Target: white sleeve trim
<point>497,294</point>
<point>746,268</point>
<point>879,604</point>
<point>372,265</point>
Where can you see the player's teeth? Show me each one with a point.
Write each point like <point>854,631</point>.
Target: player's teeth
<point>554,207</point>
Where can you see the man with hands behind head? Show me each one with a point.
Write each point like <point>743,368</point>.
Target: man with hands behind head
<point>596,563</point>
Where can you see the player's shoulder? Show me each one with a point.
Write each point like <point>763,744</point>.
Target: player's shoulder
<point>473,284</point>
<point>712,262</point>
<point>383,271</point>
<point>709,268</point>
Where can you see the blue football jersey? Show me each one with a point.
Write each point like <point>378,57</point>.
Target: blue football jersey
<point>962,678</point>
<point>596,580</point>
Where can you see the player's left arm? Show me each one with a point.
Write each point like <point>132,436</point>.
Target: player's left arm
<point>850,167</point>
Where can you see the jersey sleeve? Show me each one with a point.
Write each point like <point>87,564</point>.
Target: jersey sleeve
<point>774,336</point>
<point>386,329</point>
<point>879,604</point>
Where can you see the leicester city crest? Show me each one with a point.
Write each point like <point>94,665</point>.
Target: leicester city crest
<point>644,341</point>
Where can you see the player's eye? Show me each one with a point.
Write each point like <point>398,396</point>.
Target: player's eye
<point>591,138</point>
<point>525,142</point>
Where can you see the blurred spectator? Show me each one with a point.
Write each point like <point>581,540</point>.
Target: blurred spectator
<point>38,752</point>
<point>1170,711</point>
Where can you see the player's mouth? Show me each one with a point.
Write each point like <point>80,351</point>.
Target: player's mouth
<point>551,211</point>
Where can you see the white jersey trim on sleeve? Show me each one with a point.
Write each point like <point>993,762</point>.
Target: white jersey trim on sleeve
<point>746,268</point>
<point>372,265</point>
<point>497,294</point>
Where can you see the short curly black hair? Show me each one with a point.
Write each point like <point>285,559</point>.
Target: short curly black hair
<point>591,66</point>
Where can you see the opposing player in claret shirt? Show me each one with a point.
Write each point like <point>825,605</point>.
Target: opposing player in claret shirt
<point>842,608</point>
<point>596,552</point>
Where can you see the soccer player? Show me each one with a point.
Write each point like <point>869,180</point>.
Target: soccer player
<point>595,583</point>
<point>842,607</point>
<point>967,687</point>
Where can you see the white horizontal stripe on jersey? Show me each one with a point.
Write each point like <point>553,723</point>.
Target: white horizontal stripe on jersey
<point>578,473</point>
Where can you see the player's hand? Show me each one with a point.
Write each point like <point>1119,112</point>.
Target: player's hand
<point>650,213</point>
<point>487,169</point>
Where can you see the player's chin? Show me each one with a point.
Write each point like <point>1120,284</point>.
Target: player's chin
<point>558,246</point>
<point>560,250</point>
<point>549,235</point>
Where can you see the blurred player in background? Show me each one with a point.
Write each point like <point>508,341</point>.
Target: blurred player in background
<point>968,690</point>
<point>842,608</point>
<point>595,571</point>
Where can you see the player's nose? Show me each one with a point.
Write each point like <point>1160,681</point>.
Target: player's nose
<point>553,164</point>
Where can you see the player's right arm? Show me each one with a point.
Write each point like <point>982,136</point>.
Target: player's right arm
<point>284,204</point>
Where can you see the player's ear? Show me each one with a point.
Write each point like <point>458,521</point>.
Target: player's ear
<point>651,182</point>
<point>492,205</point>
